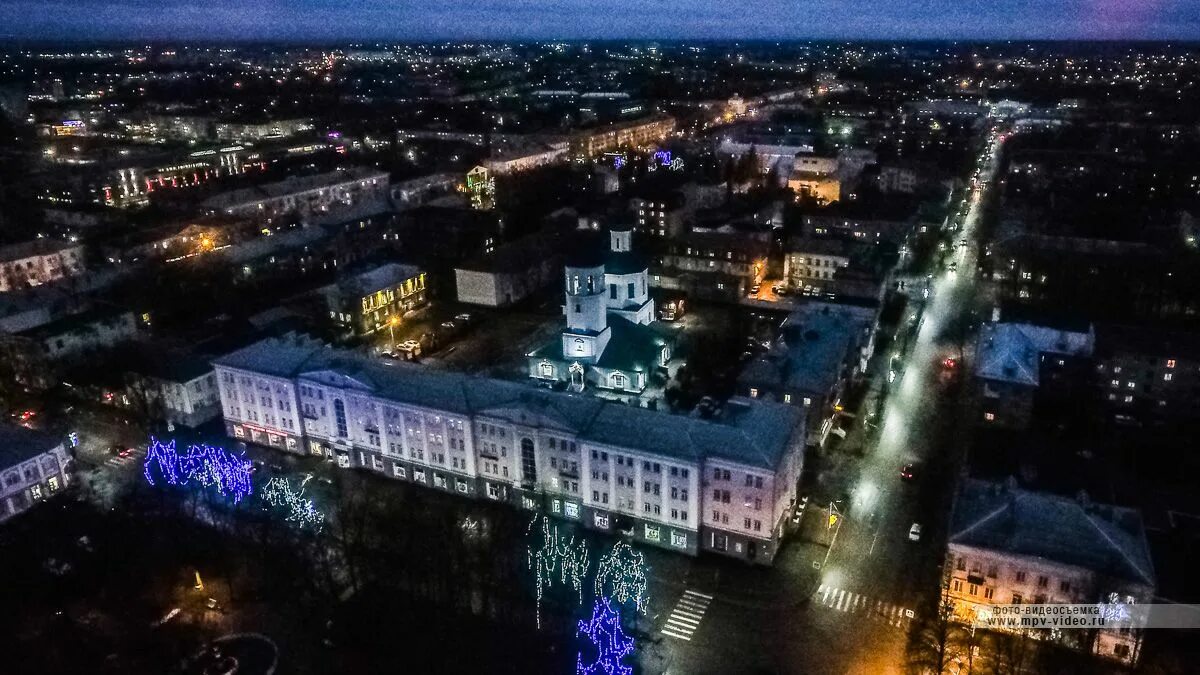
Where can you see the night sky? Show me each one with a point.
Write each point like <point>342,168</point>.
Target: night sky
<point>548,19</point>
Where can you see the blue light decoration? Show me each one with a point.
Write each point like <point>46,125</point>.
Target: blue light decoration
<point>663,157</point>
<point>556,554</point>
<point>621,575</point>
<point>618,161</point>
<point>207,465</point>
<point>278,492</point>
<point>612,645</point>
<point>73,437</point>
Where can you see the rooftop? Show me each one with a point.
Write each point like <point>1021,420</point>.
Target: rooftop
<point>757,433</point>
<point>1003,517</point>
<point>1011,352</point>
<point>815,342</point>
<point>18,444</point>
<point>291,185</point>
<point>34,247</point>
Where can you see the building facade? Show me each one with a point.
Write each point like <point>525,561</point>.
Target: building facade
<point>37,262</point>
<point>612,339</point>
<point>375,299</point>
<point>1009,545</point>
<point>725,484</point>
<point>33,466</point>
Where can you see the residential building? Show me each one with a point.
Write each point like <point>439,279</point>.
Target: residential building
<point>175,387</point>
<point>1146,374</point>
<point>632,134</point>
<point>375,299</point>
<point>613,339</point>
<point>1008,545</point>
<point>39,261</point>
<point>725,484</point>
<point>817,178</point>
<point>821,349</point>
<point>1011,361</point>
<point>306,195</point>
<point>33,465</point>
<point>662,217</point>
<point>835,268</point>
<point>713,265</point>
<point>510,272</point>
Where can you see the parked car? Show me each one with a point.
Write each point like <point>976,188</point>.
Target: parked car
<point>914,532</point>
<point>121,450</point>
<point>409,349</point>
<point>463,318</point>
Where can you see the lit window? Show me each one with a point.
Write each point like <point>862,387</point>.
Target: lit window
<point>753,393</point>
<point>1168,377</point>
<point>990,417</point>
<point>1170,363</point>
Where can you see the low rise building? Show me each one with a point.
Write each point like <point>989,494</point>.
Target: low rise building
<point>175,387</point>
<point>33,466</point>
<point>638,133</point>
<point>375,299</point>
<point>510,272</point>
<point>821,349</point>
<point>1012,359</point>
<point>687,484</point>
<point>713,266</point>
<point>1146,374</point>
<point>39,261</point>
<point>305,195</point>
<point>1008,545</point>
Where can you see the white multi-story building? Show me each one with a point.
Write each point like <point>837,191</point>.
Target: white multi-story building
<point>725,484</point>
<point>33,466</point>
<point>1009,545</point>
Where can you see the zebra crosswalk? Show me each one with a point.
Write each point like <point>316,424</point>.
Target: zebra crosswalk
<point>850,602</point>
<point>686,616</point>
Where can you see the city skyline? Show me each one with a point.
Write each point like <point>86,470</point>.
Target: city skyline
<point>1158,20</point>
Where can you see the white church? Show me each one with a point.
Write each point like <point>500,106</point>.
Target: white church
<point>612,340</point>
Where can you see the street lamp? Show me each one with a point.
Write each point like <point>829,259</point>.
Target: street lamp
<point>392,321</point>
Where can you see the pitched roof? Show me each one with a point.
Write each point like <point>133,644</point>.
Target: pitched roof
<point>1106,539</point>
<point>754,433</point>
<point>1011,352</point>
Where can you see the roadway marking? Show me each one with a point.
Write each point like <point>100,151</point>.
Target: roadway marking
<point>686,616</point>
<point>850,602</point>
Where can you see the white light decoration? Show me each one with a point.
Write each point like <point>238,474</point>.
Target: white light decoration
<point>556,557</point>
<point>278,492</point>
<point>621,575</point>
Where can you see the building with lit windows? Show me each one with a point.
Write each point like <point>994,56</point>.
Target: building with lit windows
<point>638,133</point>
<point>305,195</point>
<point>713,265</point>
<point>375,299</point>
<point>817,178</point>
<point>725,484</point>
<point>612,340</point>
<point>33,466</point>
<point>822,348</point>
<point>1009,545</point>
<point>39,261</point>
<point>1147,374</point>
<point>1013,360</point>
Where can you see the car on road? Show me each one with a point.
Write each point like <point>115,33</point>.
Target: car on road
<point>755,289</point>
<point>908,471</point>
<point>914,532</point>
<point>121,450</point>
<point>463,318</point>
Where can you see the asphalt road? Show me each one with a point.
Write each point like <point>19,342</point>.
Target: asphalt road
<point>851,615</point>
